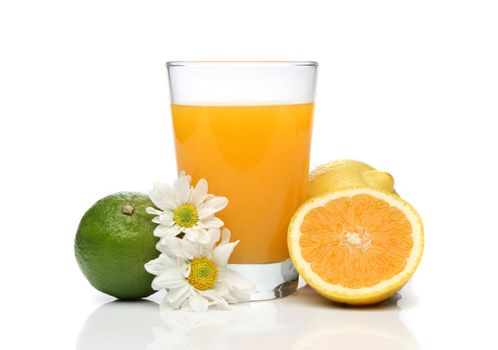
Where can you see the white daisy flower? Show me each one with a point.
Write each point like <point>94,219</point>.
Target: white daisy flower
<point>185,209</point>
<point>195,275</point>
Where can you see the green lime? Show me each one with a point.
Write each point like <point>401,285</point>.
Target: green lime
<point>114,240</point>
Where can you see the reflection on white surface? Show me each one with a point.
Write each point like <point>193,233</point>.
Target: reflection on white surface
<point>345,327</point>
<point>302,321</point>
<point>242,327</point>
<point>120,325</point>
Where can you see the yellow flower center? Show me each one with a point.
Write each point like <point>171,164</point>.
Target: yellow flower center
<point>203,273</point>
<point>186,215</point>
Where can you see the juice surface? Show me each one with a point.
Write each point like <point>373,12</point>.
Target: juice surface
<point>257,157</point>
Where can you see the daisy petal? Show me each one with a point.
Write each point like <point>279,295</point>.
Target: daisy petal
<point>157,266</point>
<point>198,303</point>
<point>183,173</point>
<point>190,234</point>
<point>214,233</point>
<point>186,270</point>
<point>206,212</point>
<point>206,201</point>
<point>172,246</point>
<point>221,288</point>
<point>217,203</point>
<point>165,231</point>
<point>190,249</point>
<point>166,218</point>
<point>176,247</point>
<point>235,280</point>
<point>163,196</point>
<point>211,222</point>
<point>153,211</point>
<point>182,189</point>
<point>171,278</point>
<point>199,193</point>
<point>222,253</point>
<point>177,296</point>
<point>200,236</point>
<point>240,295</point>
<point>215,298</point>
<point>205,237</point>
<point>225,236</point>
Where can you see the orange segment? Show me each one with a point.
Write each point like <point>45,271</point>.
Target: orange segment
<point>356,241</point>
<point>369,239</point>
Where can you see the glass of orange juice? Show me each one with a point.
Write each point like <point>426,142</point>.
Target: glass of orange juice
<point>246,128</point>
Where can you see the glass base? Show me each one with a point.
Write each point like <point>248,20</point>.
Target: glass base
<point>273,280</point>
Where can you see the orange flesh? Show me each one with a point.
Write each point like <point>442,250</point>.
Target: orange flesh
<point>356,241</point>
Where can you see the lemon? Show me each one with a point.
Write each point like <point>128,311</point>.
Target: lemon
<point>113,242</point>
<point>356,246</point>
<point>342,174</point>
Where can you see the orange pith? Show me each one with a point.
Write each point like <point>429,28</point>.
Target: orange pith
<point>356,241</point>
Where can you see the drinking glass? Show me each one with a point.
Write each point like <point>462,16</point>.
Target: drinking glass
<point>246,128</point>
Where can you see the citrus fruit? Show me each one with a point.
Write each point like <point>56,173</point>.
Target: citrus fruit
<point>356,246</point>
<point>341,174</point>
<point>113,242</point>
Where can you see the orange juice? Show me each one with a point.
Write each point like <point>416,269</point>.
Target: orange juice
<point>256,156</point>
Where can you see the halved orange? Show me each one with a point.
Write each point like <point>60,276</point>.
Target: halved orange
<point>356,246</point>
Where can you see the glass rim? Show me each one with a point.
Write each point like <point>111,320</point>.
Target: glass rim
<point>241,64</point>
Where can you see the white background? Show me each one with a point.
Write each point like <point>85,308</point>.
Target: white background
<point>410,87</point>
